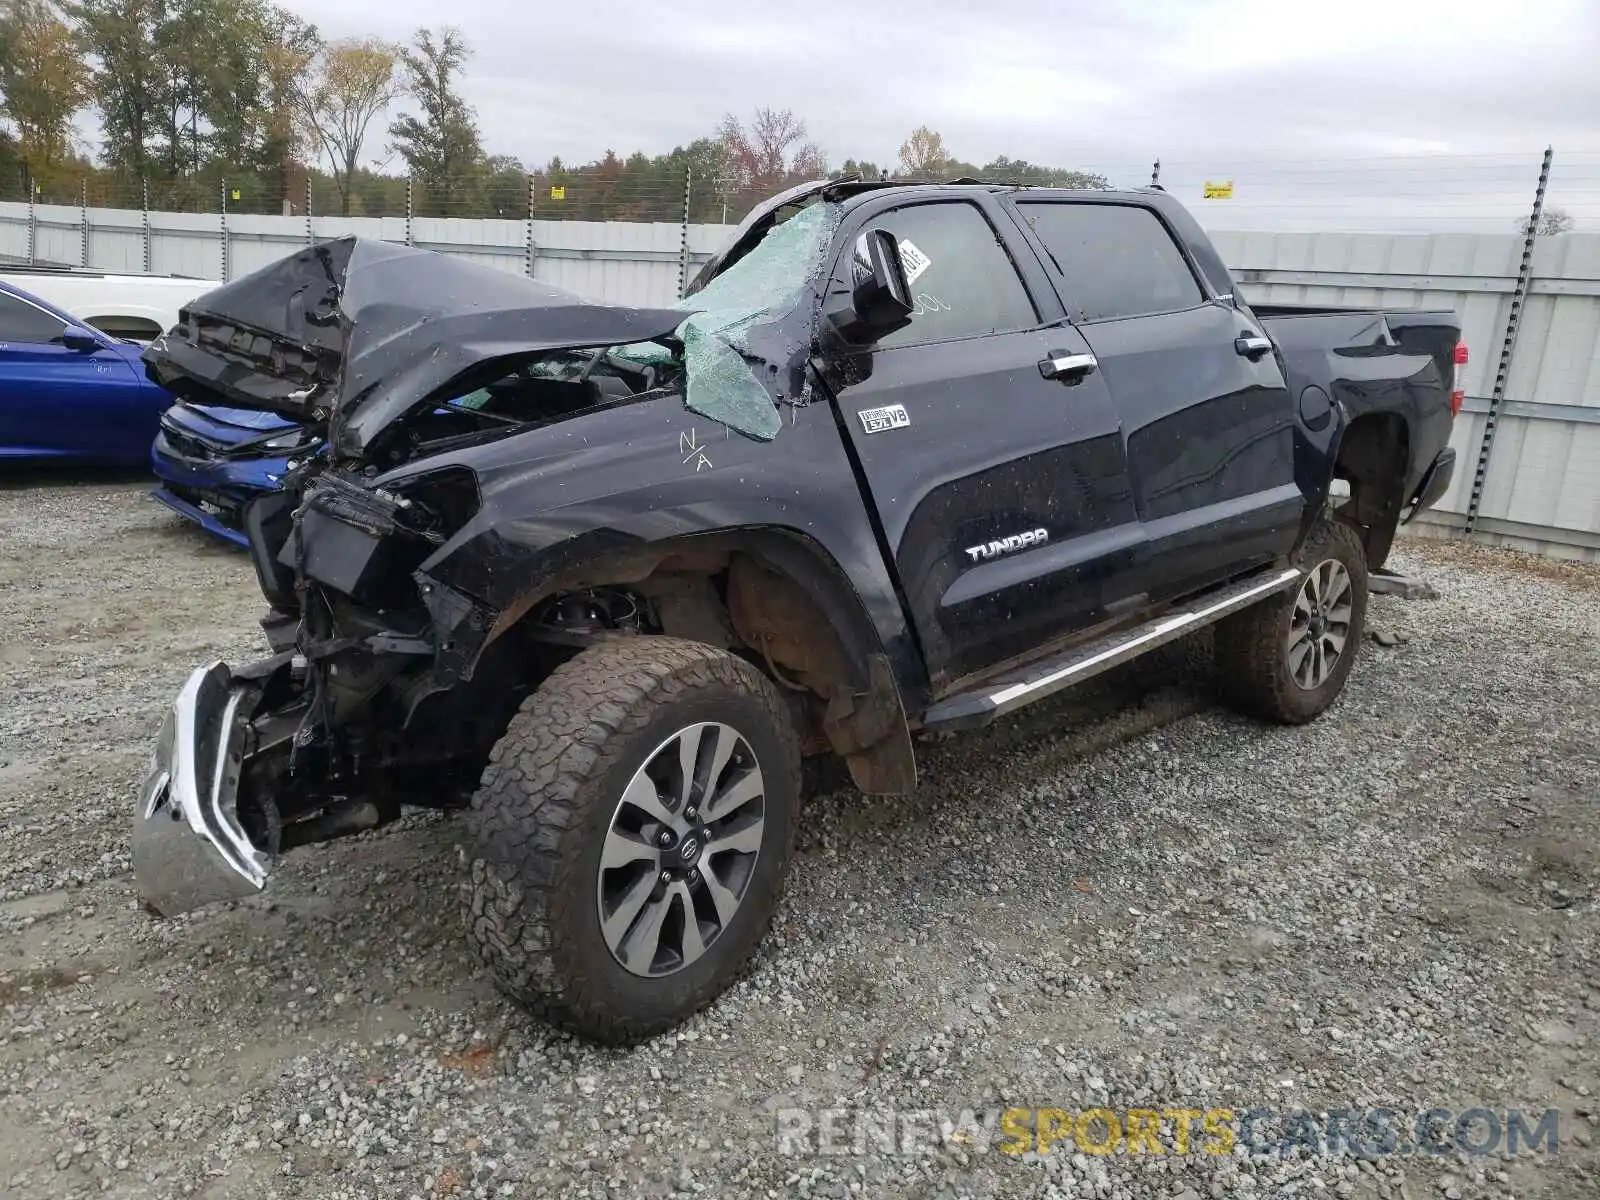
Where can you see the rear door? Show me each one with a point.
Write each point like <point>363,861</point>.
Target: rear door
<point>1205,412</point>
<point>60,402</point>
<point>1002,494</point>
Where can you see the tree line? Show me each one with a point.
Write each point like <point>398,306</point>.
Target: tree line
<point>201,103</point>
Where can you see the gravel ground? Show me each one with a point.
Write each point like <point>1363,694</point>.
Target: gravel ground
<point>1132,899</point>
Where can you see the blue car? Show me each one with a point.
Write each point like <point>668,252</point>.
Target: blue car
<point>213,461</point>
<point>68,392</point>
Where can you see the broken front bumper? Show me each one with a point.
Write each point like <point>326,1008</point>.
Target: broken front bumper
<point>189,849</point>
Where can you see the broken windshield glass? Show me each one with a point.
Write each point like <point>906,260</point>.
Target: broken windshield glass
<point>754,294</point>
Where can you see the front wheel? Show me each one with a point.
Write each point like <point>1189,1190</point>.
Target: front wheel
<point>628,843</point>
<point>1287,658</point>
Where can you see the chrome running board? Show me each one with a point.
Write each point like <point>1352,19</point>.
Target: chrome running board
<point>1038,680</point>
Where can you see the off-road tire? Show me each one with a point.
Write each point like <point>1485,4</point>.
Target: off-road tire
<point>1252,647</point>
<point>538,819</point>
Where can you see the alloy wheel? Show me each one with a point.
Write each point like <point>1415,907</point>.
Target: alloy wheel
<point>1319,626</point>
<point>681,849</point>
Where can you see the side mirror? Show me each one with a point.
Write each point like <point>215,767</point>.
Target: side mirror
<point>880,294</point>
<point>75,337</point>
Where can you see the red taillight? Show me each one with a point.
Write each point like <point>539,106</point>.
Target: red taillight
<point>1457,395</point>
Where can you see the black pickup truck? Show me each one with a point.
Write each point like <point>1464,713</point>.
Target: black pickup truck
<point>904,458</point>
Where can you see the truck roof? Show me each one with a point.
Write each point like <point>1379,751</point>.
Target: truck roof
<point>967,184</point>
<point>854,192</point>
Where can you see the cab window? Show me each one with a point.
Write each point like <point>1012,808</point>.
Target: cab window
<point>962,278</point>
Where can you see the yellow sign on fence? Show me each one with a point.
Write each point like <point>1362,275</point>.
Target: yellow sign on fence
<point>1219,191</point>
<point>558,193</point>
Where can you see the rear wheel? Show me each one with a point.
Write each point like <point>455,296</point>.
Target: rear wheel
<point>628,844</point>
<point>1287,658</point>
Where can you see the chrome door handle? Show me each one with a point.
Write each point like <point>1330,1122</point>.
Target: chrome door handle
<point>1068,368</point>
<point>1252,345</point>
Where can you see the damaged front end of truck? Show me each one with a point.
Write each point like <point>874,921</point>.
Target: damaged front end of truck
<point>442,390</point>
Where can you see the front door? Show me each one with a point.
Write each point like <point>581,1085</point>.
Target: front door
<point>71,403</point>
<point>1002,494</point>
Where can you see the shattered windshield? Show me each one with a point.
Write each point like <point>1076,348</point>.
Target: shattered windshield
<point>755,293</point>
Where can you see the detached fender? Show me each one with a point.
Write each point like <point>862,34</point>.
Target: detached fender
<point>612,495</point>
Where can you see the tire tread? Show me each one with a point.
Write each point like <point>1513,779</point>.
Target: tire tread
<point>1251,668</point>
<point>519,831</point>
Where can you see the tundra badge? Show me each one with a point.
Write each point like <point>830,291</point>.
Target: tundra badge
<point>1017,541</point>
<point>876,420</point>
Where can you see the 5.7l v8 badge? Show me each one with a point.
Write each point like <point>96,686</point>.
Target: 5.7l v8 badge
<point>876,420</point>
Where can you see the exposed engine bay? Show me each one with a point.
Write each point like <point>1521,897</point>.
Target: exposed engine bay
<point>350,730</point>
<point>355,700</point>
<point>498,400</point>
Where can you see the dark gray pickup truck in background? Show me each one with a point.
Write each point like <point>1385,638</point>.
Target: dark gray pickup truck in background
<point>906,457</point>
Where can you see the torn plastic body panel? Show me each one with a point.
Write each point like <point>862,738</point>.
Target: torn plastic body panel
<point>358,333</point>
<point>746,340</point>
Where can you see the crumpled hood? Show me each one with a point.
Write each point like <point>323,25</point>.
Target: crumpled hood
<point>357,332</point>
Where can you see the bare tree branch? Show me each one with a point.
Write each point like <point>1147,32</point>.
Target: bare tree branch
<point>923,154</point>
<point>349,84</point>
<point>1553,222</point>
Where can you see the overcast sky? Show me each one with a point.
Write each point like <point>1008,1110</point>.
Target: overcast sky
<point>1058,81</point>
<point>1215,88</point>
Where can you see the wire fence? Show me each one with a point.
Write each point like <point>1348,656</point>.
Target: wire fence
<point>1466,194</point>
<point>1490,193</point>
<point>506,195</point>
<point>1434,194</point>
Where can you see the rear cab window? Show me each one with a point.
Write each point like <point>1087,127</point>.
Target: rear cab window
<point>1115,260</point>
<point>963,282</point>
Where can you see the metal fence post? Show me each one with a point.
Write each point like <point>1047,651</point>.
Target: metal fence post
<point>408,210</point>
<point>1508,345</point>
<point>33,221</point>
<point>683,231</point>
<point>224,231</point>
<point>83,222</point>
<point>144,213</point>
<point>533,249</point>
<point>311,236</point>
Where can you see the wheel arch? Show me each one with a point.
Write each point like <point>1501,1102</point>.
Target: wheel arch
<point>779,595</point>
<point>137,327</point>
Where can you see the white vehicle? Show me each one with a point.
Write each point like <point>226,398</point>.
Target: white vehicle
<point>137,307</point>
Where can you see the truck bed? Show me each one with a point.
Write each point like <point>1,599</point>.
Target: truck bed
<point>1400,362</point>
<point>1300,327</point>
